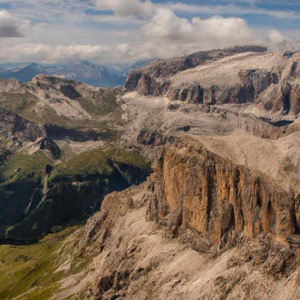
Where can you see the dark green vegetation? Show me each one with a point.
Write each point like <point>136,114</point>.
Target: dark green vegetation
<point>42,187</point>
<point>37,194</point>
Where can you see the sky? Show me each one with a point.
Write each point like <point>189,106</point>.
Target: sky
<point>126,31</point>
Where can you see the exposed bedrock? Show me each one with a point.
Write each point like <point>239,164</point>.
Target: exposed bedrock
<point>164,68</point>
<point>196,189</point>
<point>220,80</point>
<point>14,126</point>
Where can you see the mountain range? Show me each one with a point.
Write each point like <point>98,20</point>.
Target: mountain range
<point>183,184</point>
<point>83,71</point>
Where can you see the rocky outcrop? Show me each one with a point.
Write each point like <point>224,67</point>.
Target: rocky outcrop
<point>18,129</point>
<point>193,94</point>
<point>10,86</point>
<point>133,259</point>
<point>156,73</point>
<point>253,83</point>
<point>48,144</point>
<point>195,189</point>
<point>225,77</point>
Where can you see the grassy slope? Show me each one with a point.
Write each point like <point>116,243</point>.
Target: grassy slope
<point>98,161</point>
<point>21,104</point>
<point>31,272</point>
<point>24,167</point>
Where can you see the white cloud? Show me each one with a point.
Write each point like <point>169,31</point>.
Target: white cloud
<point>166,25</point>
<point>48,54</point>
<point>275,37</point>
<point>173,34</point>
<point>127,7</point>
<point>220,32</point>
<point>44,53</point>
<point>10,26</point>
<point>124,30</point>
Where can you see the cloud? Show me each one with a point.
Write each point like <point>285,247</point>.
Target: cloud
<point>219,31</point>
<point>166,25</point>
<point>127,7</point>
<point>49,54</point>
<point>230,10</point>
<point>174,32</point>
<point>163,35</point>
<point>110,31</point>
<point>275,37</point>
<point>9,25</point>
<point>44,53</point>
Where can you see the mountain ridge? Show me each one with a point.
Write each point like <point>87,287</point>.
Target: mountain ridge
<point>83,71</point>
<point>218,216</point>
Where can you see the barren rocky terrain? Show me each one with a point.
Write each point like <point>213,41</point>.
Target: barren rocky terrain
<point>219,215</point>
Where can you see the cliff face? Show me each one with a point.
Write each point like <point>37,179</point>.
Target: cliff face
<point>189,193</point>
<point>13,126</point>
<point>246,76</point>
<point>195,189</point>
<point>158,71</point>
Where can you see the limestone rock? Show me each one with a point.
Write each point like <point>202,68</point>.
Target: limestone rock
<point>217,198</point>
<point>224,76</point>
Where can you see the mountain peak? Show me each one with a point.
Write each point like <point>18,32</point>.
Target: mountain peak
<point>79,70</point>
<point>34,66</point>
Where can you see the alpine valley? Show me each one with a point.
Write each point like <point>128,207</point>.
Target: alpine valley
<point>182,184</point>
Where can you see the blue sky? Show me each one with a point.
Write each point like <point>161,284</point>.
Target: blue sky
<point>114,31</point>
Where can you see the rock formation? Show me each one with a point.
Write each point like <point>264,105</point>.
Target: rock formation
<point>219,216</point>
<point>195,189</point>
<point>224,77</point>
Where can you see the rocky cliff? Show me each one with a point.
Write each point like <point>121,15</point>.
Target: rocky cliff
<point>215,225</point>
<point>197,190</point>
<point>18,129</point>
<point>147,79</point>
<point>247,75</point>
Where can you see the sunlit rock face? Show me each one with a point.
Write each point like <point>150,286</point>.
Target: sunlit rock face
<point>194,188</point>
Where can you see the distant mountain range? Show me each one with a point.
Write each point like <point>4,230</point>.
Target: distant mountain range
<point>125,69</point>
<point>83,71</point>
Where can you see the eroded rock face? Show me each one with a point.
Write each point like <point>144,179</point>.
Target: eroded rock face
<point>10,86</point>
<point>196,189</point>
<point>14,126</point>
<point>133,259</point>
<point>194,94</point>
<point>224,78</point>
<point>165,68</point>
